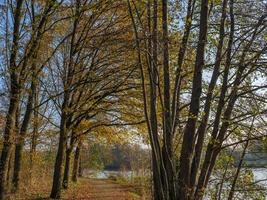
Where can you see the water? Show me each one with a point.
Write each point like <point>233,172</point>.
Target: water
<point>260,176</point>
<point>105,174</point>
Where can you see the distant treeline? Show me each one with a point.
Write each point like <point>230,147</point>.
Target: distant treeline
<point>116,157</point>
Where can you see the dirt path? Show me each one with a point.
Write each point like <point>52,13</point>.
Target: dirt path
<point>95,189</point>
<point>85,189</point>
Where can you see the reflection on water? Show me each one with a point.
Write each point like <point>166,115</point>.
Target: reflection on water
<point>260,176</point>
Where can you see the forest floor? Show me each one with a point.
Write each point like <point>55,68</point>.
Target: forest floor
<point>91,189</point>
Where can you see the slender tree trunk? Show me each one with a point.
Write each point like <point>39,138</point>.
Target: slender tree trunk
<point>232,190</point>
<point>80,167</point>
<point>153,107</point>
<point>180,61</point>
<point>156,152</point>
<point>167,121</point>
<point>204,122</point>
<point>223,179</point>
<point>34,135</point>
<point>152,64</point>
<point>33,149</point>
<point>76,163</point>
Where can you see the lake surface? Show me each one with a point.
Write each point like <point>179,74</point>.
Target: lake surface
<point>260,175</point>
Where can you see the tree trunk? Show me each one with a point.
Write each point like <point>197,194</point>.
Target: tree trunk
<point>17,167</point>
<point>65,183</point>
<point>232,190</point>
<point>57,177</point>
<point>10,170</point>
<point>167,121</point>
<point>180,61</point>
<point>65,113</point>
<point>32,54</point>
<point>189,133</point>
<point>204,122</point>
<point>7,144</point>
<point>21,138</point>
<point>80,169</point>
<point>34,135</point>
<point>159,172</point>
<point>13,104</point>
<point>76,163</point>
<point>67,161</point>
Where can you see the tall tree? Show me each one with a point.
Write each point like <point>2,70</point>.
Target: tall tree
<point>13,102</point>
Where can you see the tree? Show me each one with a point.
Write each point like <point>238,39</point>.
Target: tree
<point>226,65</point>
